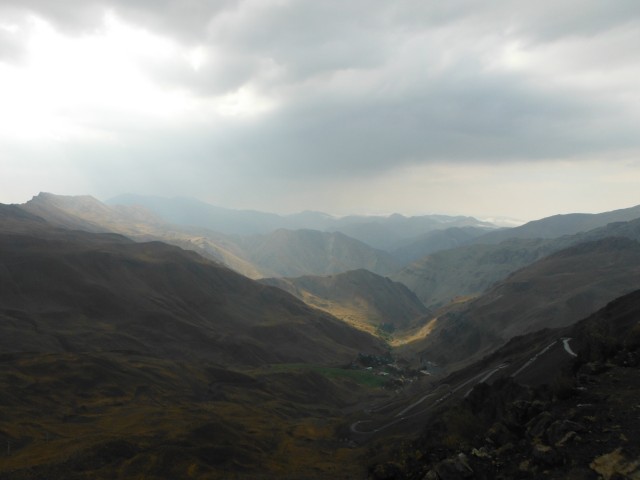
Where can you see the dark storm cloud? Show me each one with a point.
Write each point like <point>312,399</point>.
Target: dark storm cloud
<point>471,121</point>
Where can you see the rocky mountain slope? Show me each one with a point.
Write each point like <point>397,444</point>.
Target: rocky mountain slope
<point>63,290</point>
<point>468,271</point>
<point>280,253</point>
<point>88,214</point>
<point>435,241</point>
<point>361,298</point>
<point>292,253</point>
<point>555,291</point>
<point>561,404</point>
<point>123,359</point>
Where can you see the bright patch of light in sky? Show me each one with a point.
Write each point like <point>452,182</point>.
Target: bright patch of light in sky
<point>55,95</point>
<point>196,58</point>
<point>244,102</point>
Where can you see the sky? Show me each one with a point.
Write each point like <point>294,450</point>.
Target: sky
<point>506,108</point>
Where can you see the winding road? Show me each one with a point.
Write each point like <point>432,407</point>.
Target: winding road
<point>403,414</point>
<point>567,347</point>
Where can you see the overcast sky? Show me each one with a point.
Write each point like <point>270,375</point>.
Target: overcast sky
<point>503,108</point>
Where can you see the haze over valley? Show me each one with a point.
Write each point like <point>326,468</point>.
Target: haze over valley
<point>290,239</point>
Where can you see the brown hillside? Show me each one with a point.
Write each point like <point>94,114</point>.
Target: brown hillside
<point>553,292</point>
<point>88,214</point>
<point>360,297</point>
<point>74,291</point>
<point>292,253</point>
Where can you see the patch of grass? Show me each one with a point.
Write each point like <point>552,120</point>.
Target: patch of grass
<point>365,378</point>
<point>206,423</point>
<point>361,377</point>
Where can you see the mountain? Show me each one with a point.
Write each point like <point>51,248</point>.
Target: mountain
<point>559,225</point>
<point>89,214</point>
<point>394,231</point>
<point>291,253</point>
<point>129,360</point>
<point>469,270</point>
<point>555,404</point>
<point>191,212</point>
<point>85,213</point>
<point>15,219</point>
<point>437,240</point>
<point>378,231</point>
<point>279,253</point>
<point>555,291</point>
<point>360,297</point>
<point>64,290</point>
<point>440,277</point>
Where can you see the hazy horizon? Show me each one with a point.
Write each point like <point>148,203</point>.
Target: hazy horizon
<point>511,109</point>
<point>502,221</point>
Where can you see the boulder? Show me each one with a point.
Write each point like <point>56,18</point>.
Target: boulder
<point>559,432</point>
<point>545,455</point>
<point>537,426</point>
<point>454,468</point>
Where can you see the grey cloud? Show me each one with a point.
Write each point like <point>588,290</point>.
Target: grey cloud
<point>548,21</point>
<point>467,120</point>
<point>186,19</point>
<point>11,49</point>
<point>295,40</point>
<point>417,112</point>
<point>308,38</point>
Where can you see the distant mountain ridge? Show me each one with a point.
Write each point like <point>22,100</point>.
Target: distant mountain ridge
<point>280,253</point>
<point>471,269</point>
<point>87,213</point>
<point>381,232</point>
<point>560,225</point>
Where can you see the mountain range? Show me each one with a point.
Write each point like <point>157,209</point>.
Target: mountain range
<point>560,225</point>
<point>131,349</point>
<point>383,232</point>
<point>281,252</point>
<point>556,291</point>
<point>469,270</point>
<point>68,290</point>
<point>124,359</point>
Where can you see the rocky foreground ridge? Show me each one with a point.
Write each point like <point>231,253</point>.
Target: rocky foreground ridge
<point>582,423</point>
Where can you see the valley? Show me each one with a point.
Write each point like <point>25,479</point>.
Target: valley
<point>137,343</point>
